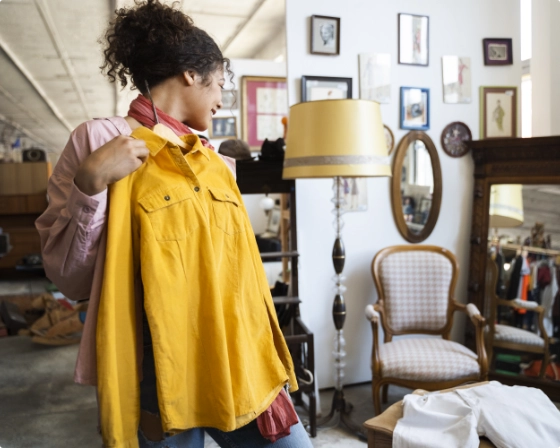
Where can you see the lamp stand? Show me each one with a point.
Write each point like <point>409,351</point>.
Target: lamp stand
<point>340,409</point>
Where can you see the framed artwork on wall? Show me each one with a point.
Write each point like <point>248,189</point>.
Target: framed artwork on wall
<point>498,51</point>
<point>389,138</point>
<point>375,77</point>
<point>265,103</point>
<point>315,88</point>
<point>414,39</point>
<point>456,75</point>
<point>415,108</point>
<point>453,139</point>
<point>230,100</point>
<point>498,112</point>
<point>223,127</point>
<point>325,35</point>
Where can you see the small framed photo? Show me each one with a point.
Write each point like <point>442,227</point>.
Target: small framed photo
<point>315,88</point>
<point>325,35</point>
<point>498,51</point>
<point>415,108</point>
<point>230,100</point>
<point>223,127</point>
<point>375,77</point>
<point>414,39</point>
<point>456,79</point>
<point>264,104</point>
<point>498,112</point>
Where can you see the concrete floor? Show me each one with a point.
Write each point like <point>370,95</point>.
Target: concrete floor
<point>41,406</point>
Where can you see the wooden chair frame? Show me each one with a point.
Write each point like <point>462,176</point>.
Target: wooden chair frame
<point>495,301</point>
<point>476,318</point>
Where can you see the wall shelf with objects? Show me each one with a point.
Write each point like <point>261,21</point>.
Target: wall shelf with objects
<point>23,198</point>
<point>264,177</point>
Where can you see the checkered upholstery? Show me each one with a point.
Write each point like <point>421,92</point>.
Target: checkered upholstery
<point>416,289</point>
<point>427,359</point>
<point>505,333</point>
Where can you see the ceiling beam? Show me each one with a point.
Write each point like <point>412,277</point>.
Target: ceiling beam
<point>243,24</point>
<point>27,133</point>
<point>50,26</point>
<point>17,63</point>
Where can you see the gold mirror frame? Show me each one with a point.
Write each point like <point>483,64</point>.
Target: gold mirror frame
<point>396,199</point>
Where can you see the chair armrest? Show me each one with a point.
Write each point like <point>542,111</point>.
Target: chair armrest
<point>479,323</point>
<point>373,315</point>
<point>521,304</point>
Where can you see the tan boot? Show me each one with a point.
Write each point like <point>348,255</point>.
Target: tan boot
<point>54,313</point>
<point>65,332</point>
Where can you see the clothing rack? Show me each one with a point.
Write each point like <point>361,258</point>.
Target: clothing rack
<point>533,250</point>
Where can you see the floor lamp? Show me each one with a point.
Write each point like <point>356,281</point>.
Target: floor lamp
<point>335,139</point>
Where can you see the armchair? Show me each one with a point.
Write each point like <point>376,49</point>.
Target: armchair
<point>508,337</point>
<point>415,285</point>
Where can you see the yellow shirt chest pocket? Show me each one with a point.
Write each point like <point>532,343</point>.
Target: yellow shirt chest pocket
<point>171,213</point>
<point>228,213</point>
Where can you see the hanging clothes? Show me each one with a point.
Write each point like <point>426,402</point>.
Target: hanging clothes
<point>515,277</point>
<point>549,284</point>
<point>180,225</point>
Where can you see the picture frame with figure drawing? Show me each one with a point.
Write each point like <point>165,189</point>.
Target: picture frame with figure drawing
<point>414,39</point>
<point>375,77</point>
<point>325,35</point>
<point>456,75</point>
<point>498,51</point>
<point>315,88</point>
<point>498,112</point>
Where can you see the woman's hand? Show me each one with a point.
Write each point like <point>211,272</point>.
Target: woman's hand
<point>111,162</point>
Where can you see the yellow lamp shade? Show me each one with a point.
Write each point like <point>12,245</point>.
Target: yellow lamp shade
<point>336,138</point>
<point>506,205</point>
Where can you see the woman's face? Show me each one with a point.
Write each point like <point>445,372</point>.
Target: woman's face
<point>203,99</point>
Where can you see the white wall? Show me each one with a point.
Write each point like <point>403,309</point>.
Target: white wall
<point>371,26</point>
<point>545,67</point>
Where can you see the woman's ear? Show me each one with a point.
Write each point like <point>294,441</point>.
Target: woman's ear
<point>189,76</point>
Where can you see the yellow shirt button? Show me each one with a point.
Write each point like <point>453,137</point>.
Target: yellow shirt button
<point>196,189</point>
<point>166,198</point>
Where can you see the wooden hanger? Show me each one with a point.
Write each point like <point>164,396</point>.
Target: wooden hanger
<point>162,130</point>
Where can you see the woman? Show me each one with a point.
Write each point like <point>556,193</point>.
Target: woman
<point>171,267</point>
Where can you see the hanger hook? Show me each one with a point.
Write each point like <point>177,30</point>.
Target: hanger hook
<point>153,105</point>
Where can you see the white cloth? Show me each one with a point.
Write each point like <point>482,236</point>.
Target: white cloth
<point>547,299</point>
<point>511,417</point>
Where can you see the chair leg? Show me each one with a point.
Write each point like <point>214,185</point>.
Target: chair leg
<point>544,365</point>
<point>384,397</point>
<point>376,398</point>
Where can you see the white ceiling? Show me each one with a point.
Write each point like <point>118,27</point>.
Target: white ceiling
<point>50,79</point>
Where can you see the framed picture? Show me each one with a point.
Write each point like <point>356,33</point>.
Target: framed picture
<point>223,127</point>
<point>354,193</point>
<point>315,88</point>
<point>498,112</point>
<point>375,77</point>
<point>325,35</point>
<point>230,100</point>
<point>498,51</point>
<point>389,138</point>
<point>456,71</point>
<point>264,104</point>
<point>415,108</point>
<point>453,139</point>
<point>414,39</point>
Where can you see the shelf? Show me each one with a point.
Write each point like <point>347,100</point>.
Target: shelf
<point>267,255</point>
<point>285,300</point>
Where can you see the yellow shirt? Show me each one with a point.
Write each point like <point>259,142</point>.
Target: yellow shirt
<point>180,225</point>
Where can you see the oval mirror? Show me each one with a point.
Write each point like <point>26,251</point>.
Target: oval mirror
<point>416,186</point>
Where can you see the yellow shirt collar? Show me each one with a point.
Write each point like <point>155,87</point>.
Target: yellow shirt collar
<point>155,143</point>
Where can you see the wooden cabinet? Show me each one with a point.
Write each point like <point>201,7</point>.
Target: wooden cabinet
<point>23,197</point>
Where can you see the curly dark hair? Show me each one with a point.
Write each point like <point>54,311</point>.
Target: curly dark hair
<point>152,42</point>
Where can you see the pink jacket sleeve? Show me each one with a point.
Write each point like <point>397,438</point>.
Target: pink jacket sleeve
<point>71,227</point>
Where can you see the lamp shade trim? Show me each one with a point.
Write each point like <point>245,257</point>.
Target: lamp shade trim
<point>336,160</point>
